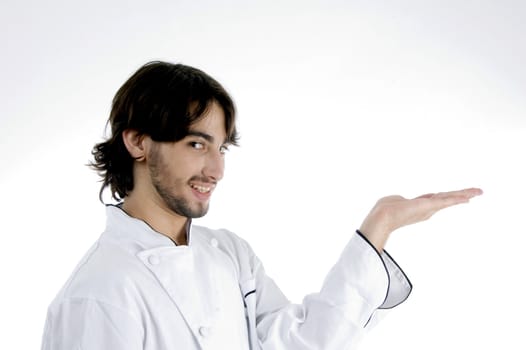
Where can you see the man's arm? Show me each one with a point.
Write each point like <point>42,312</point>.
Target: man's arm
<point>337,316</point>
<point>82,323</point>
<point>363,280</point>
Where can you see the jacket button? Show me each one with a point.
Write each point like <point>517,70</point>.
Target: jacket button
<point>153,260</point>
<point>214,243</point>
<point>204,331</point>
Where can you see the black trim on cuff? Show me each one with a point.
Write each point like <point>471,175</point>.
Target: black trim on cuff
<point>386,271</point>
<point>406,278</point>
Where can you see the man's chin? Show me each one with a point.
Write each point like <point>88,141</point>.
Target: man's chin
<point>197,215</point>
<point>197,212</point>
<point>185,208</point>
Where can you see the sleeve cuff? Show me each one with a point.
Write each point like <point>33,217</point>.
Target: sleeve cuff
<point>399,286</point>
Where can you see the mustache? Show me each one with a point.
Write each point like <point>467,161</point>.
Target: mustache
<point>203,179</point>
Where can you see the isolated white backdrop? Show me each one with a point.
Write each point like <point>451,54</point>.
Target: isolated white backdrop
<point>340,103</point>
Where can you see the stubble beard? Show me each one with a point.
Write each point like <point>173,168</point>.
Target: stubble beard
<point>176,204</point>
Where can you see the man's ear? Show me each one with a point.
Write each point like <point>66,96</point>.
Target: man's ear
<point>135,144</point>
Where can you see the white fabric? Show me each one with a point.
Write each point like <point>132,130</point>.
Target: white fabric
<point>135,289</point>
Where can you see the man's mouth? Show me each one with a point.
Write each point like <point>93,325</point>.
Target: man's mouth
<point>201,189</point>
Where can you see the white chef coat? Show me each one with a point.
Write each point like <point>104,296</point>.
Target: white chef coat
<point>135,289</point>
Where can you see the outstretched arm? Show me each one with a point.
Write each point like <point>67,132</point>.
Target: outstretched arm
<point>363,280</point>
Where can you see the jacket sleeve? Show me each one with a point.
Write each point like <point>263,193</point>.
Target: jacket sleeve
<point>85,324</point>
<point>361,281</point>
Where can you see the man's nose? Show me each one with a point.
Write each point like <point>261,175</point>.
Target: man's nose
<point>214,166</point>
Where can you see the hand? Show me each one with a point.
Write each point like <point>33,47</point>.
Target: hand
<point>393,212</point>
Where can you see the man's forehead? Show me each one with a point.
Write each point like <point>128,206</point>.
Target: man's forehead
<point>211,124</point>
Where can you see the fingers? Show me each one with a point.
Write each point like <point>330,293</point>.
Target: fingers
<point>427,195</point>
<point>467,193</point>
<point>448,199</point>
<point>432,202</point>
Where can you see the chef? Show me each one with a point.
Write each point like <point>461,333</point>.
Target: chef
<point>154,280</point>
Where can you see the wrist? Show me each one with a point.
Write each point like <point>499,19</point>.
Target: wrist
<point>375,231</point>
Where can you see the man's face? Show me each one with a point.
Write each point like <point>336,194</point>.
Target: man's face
<point>184,173</point>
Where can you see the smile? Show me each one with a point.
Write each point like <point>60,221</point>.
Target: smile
<point>201,189</point>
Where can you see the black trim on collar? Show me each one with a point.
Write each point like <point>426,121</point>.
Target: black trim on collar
<point>251,292</point>
<point>246,295</point>
<point>188,224</point>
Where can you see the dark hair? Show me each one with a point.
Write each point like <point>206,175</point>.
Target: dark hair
<point>161,100</point>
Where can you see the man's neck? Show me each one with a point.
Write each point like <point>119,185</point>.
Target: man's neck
<point>160,218</point>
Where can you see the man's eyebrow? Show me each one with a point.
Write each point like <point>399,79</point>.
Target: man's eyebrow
<point>203,135</point>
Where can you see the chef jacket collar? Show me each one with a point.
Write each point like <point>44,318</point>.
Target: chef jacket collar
<point>123,227</point>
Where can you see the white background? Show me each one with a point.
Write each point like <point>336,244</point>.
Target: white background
<point>340,103</point>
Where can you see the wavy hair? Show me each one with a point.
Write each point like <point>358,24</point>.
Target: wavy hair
<point>161,100</point>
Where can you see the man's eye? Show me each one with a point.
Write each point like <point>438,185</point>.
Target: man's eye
<point>223,149</point>
<point>197,145</point>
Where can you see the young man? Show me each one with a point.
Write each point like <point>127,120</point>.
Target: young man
<point>155,281</point>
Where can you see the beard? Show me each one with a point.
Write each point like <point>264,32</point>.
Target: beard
<point>177,204</point>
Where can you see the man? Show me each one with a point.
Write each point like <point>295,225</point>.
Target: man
<point>155,281</point>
